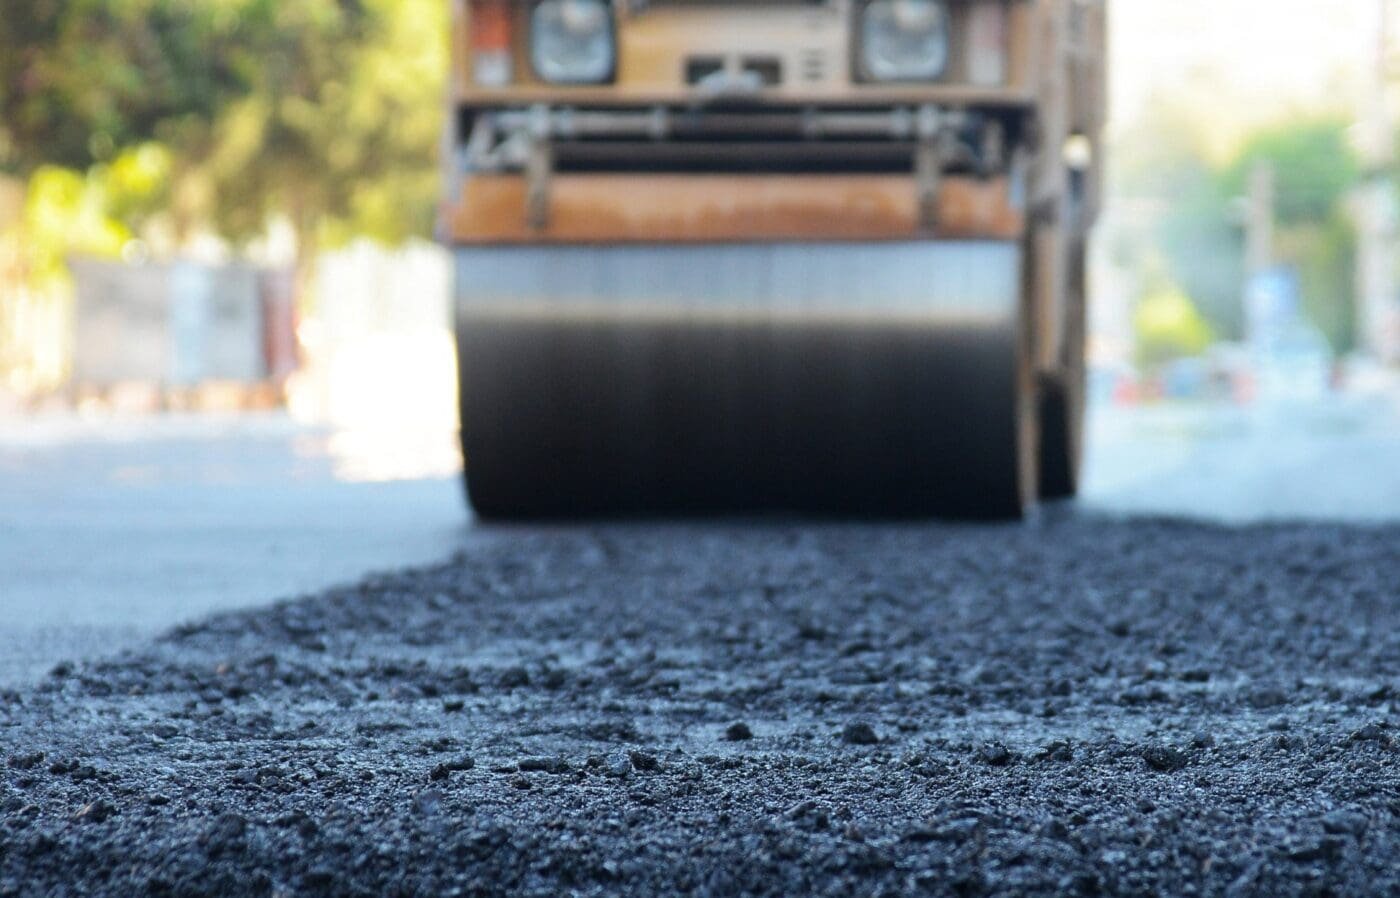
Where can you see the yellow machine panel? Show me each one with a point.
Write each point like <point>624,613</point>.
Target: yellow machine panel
<point>639,191</point>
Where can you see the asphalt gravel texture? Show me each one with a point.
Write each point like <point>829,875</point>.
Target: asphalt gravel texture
<point>1075,706</point>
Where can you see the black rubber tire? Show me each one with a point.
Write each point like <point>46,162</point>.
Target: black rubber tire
<point>1062,440</point>
<point>1062,398</point>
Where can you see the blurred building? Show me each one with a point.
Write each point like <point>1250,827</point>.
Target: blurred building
<point>178,328</point>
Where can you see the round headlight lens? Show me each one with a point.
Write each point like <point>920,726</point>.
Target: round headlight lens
<point>905,40</point>
<point>572,42</point>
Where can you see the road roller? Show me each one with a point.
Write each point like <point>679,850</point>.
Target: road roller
<point>818,257</point>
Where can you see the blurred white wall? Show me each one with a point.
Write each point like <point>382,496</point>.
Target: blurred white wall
<point>379,363</point>
<point>1260,57</point>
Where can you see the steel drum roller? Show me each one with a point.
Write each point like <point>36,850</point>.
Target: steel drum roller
<point>880,378</point>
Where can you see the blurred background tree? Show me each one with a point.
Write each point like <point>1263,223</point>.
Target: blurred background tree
<point>225,116</point>
<point>1168,326</point>
<point>1316,172</point>
<point>1193,238</point>
<point>82,79</point>
<point>1196,191</point>
<point>146,127</point>
<point>341,134</point>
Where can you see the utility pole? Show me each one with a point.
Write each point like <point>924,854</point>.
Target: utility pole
<point>1378,313</point>
<point>1259,220</point>
<point>1262,299</point>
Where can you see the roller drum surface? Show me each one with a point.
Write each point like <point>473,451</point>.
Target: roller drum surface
<point>872,379</point>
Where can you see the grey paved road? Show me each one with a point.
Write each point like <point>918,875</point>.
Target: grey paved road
<point>112,532</point>
<point>1335,460</point>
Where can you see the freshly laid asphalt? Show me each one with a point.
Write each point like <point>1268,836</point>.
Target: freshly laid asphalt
<point>1081,705</point>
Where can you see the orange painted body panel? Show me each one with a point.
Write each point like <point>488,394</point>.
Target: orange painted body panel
<point>723,208</point>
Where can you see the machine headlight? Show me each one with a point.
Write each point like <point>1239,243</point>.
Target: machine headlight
<point>905,40</point>
<point>573,41</point>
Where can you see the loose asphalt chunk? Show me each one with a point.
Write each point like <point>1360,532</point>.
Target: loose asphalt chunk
<point>1080,706</point>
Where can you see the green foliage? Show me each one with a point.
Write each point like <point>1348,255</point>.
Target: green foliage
<point>1168,326</point>
<point>137,183</point>
<point>81,79</point>
<point>225,114</point>
<point>1204,241</point>
<point>1200,229</point>
<point>1192,226</point>
<point>340,133</point>
<point>64,212</point>
<point>1315,172</point>
<point>1314,168</point>
<point>1325,255</point>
